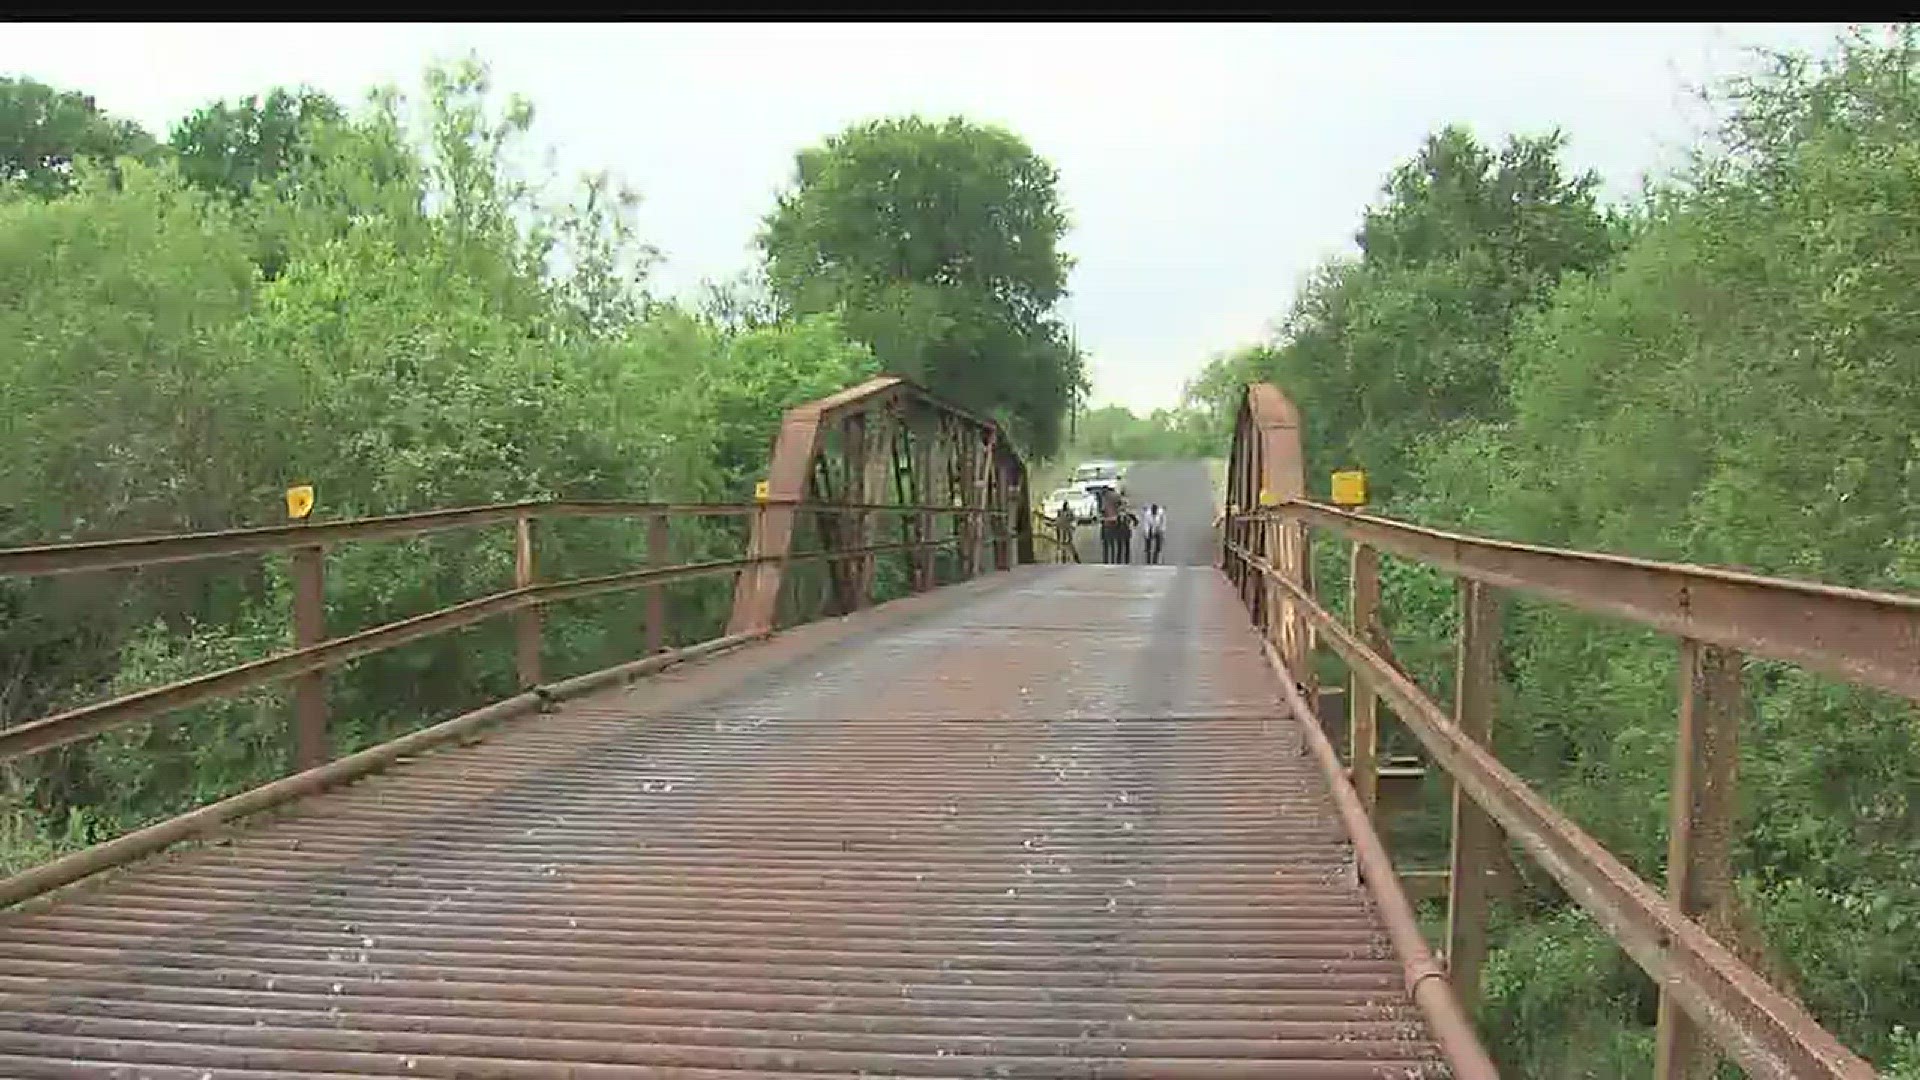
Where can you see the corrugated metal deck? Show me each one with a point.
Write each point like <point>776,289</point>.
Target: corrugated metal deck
<point>1047,824</point>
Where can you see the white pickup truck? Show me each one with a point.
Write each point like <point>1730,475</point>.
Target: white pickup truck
<point>1077,502</point>
<point>1098,474</point>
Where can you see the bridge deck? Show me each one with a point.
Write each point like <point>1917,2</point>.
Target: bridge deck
<point>1045,824</point>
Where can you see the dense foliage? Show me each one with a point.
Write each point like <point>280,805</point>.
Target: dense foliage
<point>1729,372</point>
<point>44,132</point>
<point>1117,433</point>
<point>379,301</point>
<point>939,244</point>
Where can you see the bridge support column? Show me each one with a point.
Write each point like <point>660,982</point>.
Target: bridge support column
<point>1700,837</point>
<point>1476,838</point>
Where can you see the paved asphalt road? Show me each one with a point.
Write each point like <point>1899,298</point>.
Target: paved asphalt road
<point>1185,489</point>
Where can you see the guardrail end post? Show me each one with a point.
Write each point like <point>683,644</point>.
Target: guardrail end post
<point>656,629</point>
<point>1363,738</point>
<point>1476,837</point>
<point>310,743</point>
<point>526,623</point>
<point>1700,837</point>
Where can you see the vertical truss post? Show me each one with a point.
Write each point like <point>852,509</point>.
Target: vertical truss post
<point>921,466</point>
<point>857,573</point>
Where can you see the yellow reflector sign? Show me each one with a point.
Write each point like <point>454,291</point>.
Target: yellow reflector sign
<point>299,501</point>
<point>1268,498</point>
<point>1350,488</point>
<point>762,491</point>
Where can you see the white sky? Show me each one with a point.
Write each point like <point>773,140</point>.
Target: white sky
<point>1207,168</point>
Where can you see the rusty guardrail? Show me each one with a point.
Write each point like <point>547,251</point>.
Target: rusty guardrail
<point>828,475</point>
<point>1708,996</point>
<point>315,653</point>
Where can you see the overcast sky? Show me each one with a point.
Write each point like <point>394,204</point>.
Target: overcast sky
<point>1206,168</point>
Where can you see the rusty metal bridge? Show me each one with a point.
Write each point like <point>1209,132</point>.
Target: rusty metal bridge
<point>1033,819</point>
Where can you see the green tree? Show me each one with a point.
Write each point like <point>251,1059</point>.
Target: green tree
<point>44,132</point>
<point>229,147</point>
<point>941,245</point>
<point>1407,340</point>
<point>1164,434</point>
<point>741,302</point>
<point>437,331</point>
<point>1725,375</point>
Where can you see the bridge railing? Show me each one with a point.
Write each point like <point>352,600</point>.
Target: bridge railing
<point>1708,996</point>
<point>315,652</point>
<point>958,496</point>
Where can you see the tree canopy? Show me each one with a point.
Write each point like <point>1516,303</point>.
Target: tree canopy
<point>940,245</point>
<point>1408,338</point>
<point>230,146</point>
<point>44,132</point>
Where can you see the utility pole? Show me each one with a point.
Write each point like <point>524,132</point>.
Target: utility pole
<point>1073,397</point>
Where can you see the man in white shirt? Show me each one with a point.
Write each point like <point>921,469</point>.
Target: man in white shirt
<point>1154,523</point>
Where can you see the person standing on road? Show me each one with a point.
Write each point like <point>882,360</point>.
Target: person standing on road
<point>1154,525</point>
<point>1124,528</point>
<point>1109,525</point>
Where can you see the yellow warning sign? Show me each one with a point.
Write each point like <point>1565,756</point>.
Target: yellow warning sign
<point>762,491</point>
<point>1268,498</point>
<point>1350,488</point>
<point>299,501</point>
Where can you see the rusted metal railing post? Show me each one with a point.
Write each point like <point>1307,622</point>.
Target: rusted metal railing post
<point>526,623</point>
<point>1475,836</point>
<point>1363,737</point>
<point>310,742</point>
<point>1700,841</point>
<point>657,555</point>
<point>1307,639</point>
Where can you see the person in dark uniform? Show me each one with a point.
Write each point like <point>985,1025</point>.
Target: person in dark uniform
<point>1123,531</point>
<point>1109,524</point>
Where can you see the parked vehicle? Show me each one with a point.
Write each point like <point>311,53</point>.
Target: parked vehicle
<point>1093,474</point>
<point>1071,500</point>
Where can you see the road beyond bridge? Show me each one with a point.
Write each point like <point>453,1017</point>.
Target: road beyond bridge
<point>1185,488</point>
